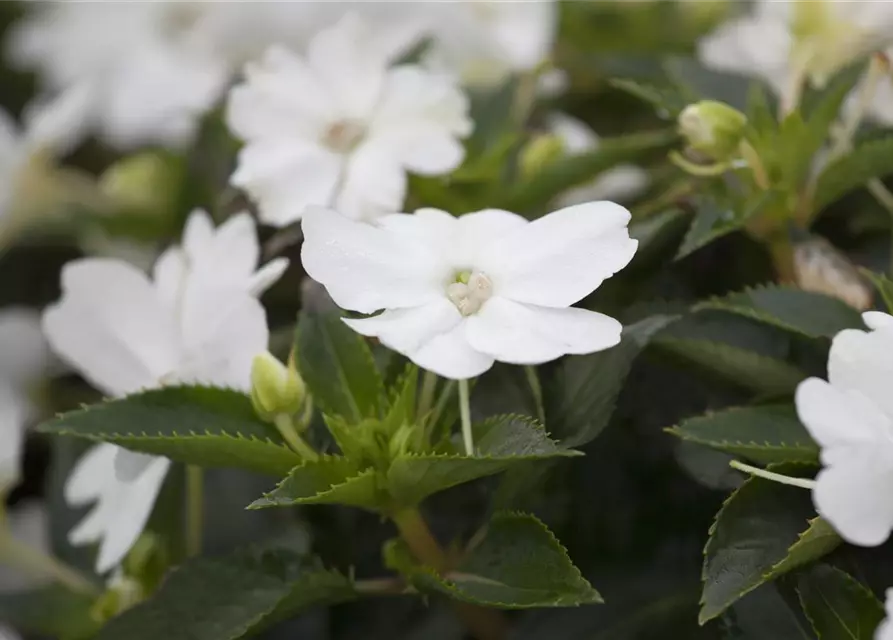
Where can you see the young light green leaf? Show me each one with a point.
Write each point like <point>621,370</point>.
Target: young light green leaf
<point>502,443</point>
<point>230,597</point>
<point>328,480</point>
<point>763,530</point>
<point>764,434</point>
<point>668,101</point>
<point>838,607</point>
<point>204,426</point>
<point>823,109</point>
<point>51,611</point>
<point>519,565</point>
<point>884,286</point>
<point>873,159</point>
<point>337,366</point>
<point>789,308</point>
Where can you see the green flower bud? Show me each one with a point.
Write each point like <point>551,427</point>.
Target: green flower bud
<point>540,152</point>
<point>145,182</point>
<point>713,128</point>
<point>276,389</point>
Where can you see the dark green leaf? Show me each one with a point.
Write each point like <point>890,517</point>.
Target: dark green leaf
<point>502,442</point>
<point>205,426</point>
<point>230,597</point>
<point>764,434</point>
<point>520,564</point>
<point>869,160</point>
<point>714,219</point>
<point>329,480</point>
<point>668,101</point>
<point>811,314</point>
<point>338,367</point>
<point>763,530</point>
<point>52,611</point>
<point>838,607</point>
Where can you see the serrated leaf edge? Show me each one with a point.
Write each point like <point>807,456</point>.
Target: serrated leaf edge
<point>268,501</point>
<point>851,581</point>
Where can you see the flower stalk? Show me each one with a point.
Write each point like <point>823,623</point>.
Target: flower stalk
<point>803,483</point>
<point>286,428</point>
<point>465,415</point>
<point>195,509</point>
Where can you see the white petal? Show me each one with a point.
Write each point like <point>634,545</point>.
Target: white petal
<point>528,334</point>
<point>478,231</point>
<point>26,356</point>
<point>267,276</point>
<point>885,629</point>
<point>853,496</point>
<point>12,427</point>
<point>420,118</point>
<point>620,183</point>
<point>838,417</point>
<point>366,268</point>
<point>58,124</point>
<point>877,320</point>
<point>168,272</point>
<point>575,134</point>
<point>407,330</point>
<point>90,474</point>
<point>285,177</point>
<point>112,326</point>
<point>860,360</point>
<point>560,258</point>
<point>449,355</point>
<point>374,183</point>
<point>131,516</point>
<point>198,234</point>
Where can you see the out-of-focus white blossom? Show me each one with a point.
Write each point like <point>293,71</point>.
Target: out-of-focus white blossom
<point>619,183</point>
<point>484,41</point>
<point>885,628</point>
<point>196,320</point>
<point>28,524</point>
<point>851,417</point>
<point>340,128</point>
<point>461,293</point>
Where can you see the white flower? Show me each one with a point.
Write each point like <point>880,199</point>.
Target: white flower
<point>484,41</point>
<point>885,628</point>
<point>780,39</point>
<point>461,293</point>
<point>619,183</point>
<point>29,525</point>
<point>196,320</point>
<point>851,417</point>
<point>341,128</point>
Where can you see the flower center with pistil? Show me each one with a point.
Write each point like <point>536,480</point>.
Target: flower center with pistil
<point>469,291</point>
<point>344,135</point>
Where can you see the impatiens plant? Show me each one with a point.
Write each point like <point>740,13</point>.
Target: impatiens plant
<point>494,320</point>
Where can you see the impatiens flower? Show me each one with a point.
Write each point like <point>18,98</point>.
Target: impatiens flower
<point>196,320</point>
<point>459,293</point>
<point>851,417</point>
<point>339,127</point>
<point>486,40</point>
<point>620,183</point>
<point>885,628</point>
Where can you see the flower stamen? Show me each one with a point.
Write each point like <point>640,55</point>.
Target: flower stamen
<point>344,135</point>
<point>470,291</point>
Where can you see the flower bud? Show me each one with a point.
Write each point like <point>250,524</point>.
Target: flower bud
<point>713,128</point>
<point>145,182</point>
<point>276,389</point>
<point>541,151</point>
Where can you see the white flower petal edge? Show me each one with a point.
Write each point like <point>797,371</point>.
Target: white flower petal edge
<point>885,628</point>
<point>459,293</point>
<point>340,127</point>
<point>851,418</point>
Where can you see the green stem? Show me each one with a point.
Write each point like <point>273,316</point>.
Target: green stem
<point>295,441</point>
<point>426,398</point>
<point>537,389</point>
<point>484,624</point>
<point>465,414</point>
<point>195,508</point>
<point>803,483</point>
<point>34,562</point>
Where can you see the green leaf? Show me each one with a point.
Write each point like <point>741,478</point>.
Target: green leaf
<point>328,480</point>
<point>206,426</point>
<point>764,434</point>
<point>873,159</point>
<point>52,611</point>
<point>519,565</point>
<point>823,109</point>
<point>230,597</point>
<point>763,530</point>
<point>811,314</point>
<point>838,607</point>
<point>668,101</point>
<point>338,367</point>
<point>580,395</point>
<point>501,442</point>
<point>715,219</point>
<point>884,286</point>
<point>533,194</point>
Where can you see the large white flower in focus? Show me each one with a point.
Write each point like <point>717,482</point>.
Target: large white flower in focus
<point>340,128</point>
<point>196,320</point>
<point>459,293</point>
<point>851,417</point>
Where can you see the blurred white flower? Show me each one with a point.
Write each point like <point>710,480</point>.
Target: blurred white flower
<point>851,417</point>
<point>461,293</point>
<point>619,183</point>
<point>885,628</point>
<point>340,128</point>
<point>8,633</point>
<point>484,41</point>
<point>781,40</point>
<point>196,320</point>
<point>28,524</point>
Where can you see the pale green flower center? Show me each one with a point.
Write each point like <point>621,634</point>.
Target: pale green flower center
<point>469,291</point>
<point>344,135</point>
